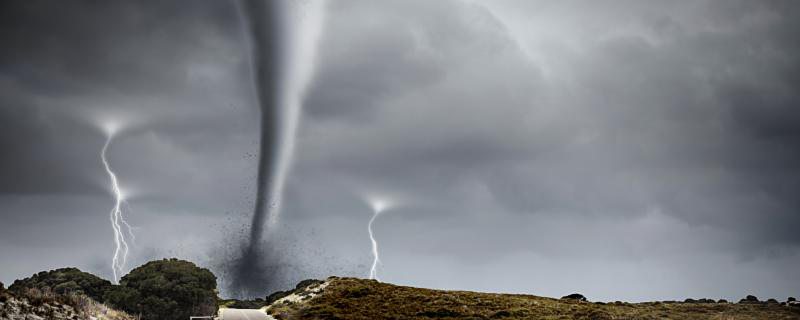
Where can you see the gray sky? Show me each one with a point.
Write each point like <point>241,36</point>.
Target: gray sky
<point>627,150</point>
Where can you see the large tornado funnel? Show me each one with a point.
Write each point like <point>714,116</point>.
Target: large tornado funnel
<point>283,36</point>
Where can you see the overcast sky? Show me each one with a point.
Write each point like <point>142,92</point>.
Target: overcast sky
<point>627,150</point>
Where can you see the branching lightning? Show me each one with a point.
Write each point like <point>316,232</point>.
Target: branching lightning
<point>119,260</point>
<point>378,207</point>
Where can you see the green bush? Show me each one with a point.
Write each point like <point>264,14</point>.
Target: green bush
<point>166,289</point>
<point>63,281</point>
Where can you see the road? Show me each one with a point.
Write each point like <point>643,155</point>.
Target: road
<point>244,314</point>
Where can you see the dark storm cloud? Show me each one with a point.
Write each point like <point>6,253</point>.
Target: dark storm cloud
<point>571,120</point>
<point>175,72</point>
<point>73,61</point>
<point>25,169</point>
<point>636,145</point>
<point>644,122</point>
<point>84,47</point>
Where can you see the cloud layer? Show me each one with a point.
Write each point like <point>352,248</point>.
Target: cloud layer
<point>628,150</point>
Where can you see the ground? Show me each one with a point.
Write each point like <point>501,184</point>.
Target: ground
<point>33,304</point>
<point>356,299</point>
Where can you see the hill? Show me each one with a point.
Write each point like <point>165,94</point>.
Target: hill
<point>175,289</point>
<point>36,304</point>
<point>158,290</point>
<point>350,298</point>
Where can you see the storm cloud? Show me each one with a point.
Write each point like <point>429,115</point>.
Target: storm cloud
<point>628,150</point>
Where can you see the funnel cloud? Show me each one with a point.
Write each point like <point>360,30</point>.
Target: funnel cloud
<point>282,36</point>
<point>263,25</point>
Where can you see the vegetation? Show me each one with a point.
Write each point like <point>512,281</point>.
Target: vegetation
<point>64,281</point>
<point>33,303</point>
<point>166,289</point>
<point>243,304</point>
<point>298,289</point>
<point>4,296</point>
<point>176,289</point>
<point>258,303</point>
<point>348,298</point>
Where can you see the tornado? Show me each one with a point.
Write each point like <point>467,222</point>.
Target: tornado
<point>282,37</point>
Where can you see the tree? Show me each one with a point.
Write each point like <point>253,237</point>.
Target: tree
<point>166,289</point>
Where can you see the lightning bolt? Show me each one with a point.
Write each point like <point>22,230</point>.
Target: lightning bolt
<point>378,207</point>
<point>373,272</point>
<point>119,260</point>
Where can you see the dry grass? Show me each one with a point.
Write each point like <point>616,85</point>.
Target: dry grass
<point>100,311</point>
<point>356,299</point>
<point>50,305</point>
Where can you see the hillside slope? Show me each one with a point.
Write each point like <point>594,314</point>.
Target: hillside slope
<point>354,299</point>
<point>34,304</point>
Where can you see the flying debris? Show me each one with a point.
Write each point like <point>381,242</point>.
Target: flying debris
<point>120,258</point>
<point>378,205</point>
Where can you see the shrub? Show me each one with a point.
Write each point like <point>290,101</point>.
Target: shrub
<point>63,281</point>
<point>299,289</point>
<point>574,296</point>
<point>357,291</point>
<point>307,283</point>
<point>247,304</point>
<point>124,298</point>
<point>166,289</point>
<point>501,314</point>
<point>277,295</point>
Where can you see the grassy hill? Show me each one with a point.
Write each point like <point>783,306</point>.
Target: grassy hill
<point>349,298</point>
<point>44,304</point>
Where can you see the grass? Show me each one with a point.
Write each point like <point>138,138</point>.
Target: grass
<point>50,305</point>
<point>356,299</point>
